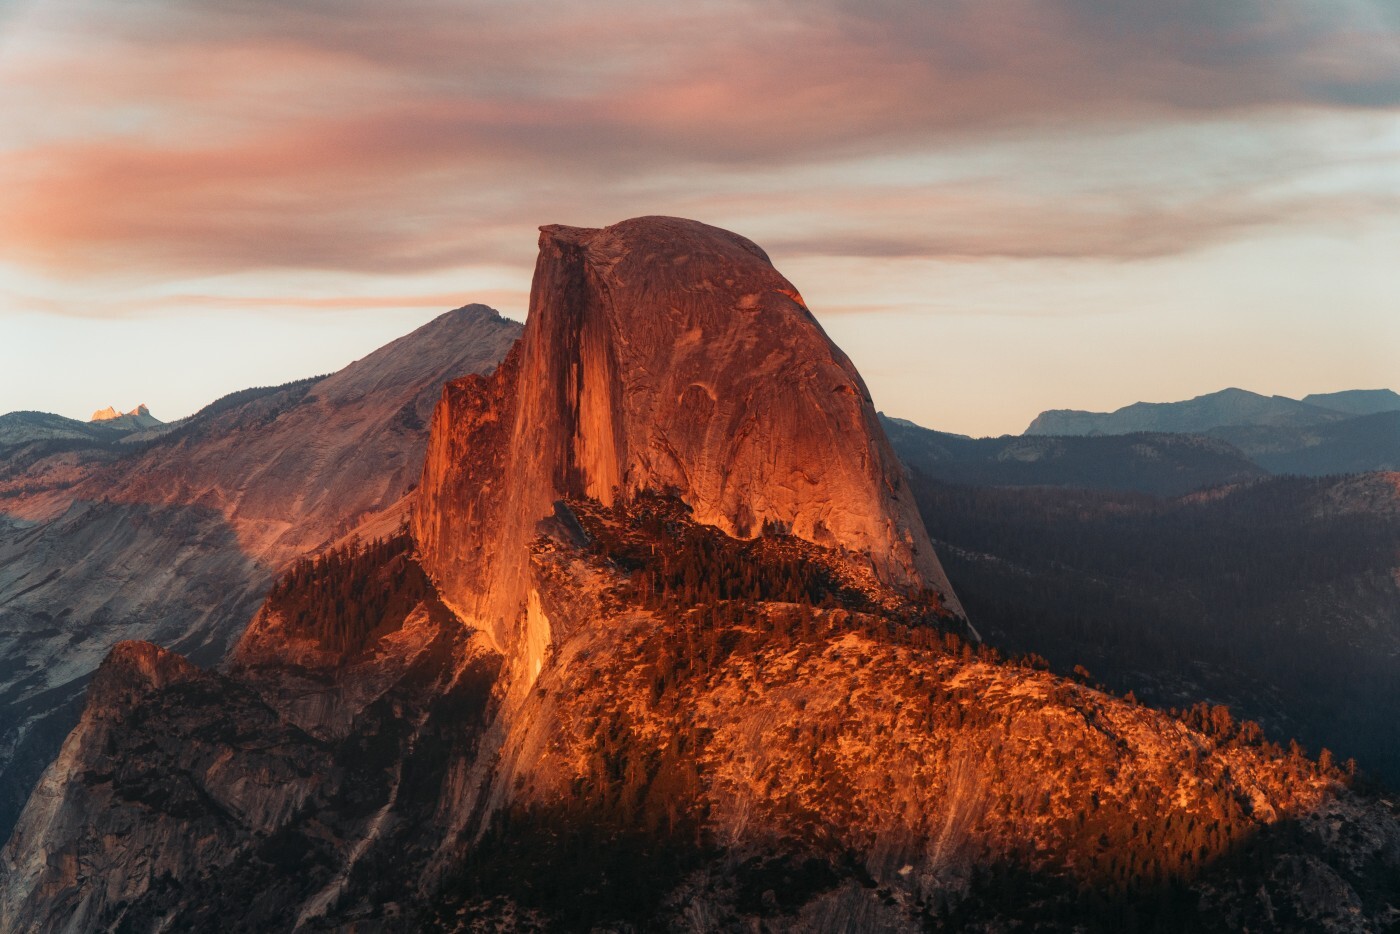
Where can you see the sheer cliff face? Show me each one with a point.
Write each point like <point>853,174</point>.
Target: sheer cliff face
<point>662,353</point>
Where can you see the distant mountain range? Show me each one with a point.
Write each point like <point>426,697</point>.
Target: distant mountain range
<point>1225,409</point>
<point>25,428</point>
<point>1323,433</point>
<point>1170,448</point>
<point>1159,463</point>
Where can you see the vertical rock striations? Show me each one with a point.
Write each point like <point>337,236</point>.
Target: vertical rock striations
<point>667,354</point>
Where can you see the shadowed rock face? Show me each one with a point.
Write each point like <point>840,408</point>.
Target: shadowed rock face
<point>94,832</point>
<point>662,353</point>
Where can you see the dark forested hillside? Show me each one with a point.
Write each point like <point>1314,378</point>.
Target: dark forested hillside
<point>1272,597</point>
<point>1340,432</point>
<point>343,597</point>
<point>1165,464</point>
<point>1367,442</point>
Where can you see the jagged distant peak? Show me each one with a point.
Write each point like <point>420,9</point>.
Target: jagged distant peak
<point>110,413</point>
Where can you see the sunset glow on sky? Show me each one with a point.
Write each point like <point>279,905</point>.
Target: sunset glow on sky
<point>993,207</point>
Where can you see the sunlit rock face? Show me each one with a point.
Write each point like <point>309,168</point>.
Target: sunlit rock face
<point>667,354</point>
<point>138,418</point>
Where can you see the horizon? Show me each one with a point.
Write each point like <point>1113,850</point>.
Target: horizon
<point>123,407</point>
<point>993,212</point>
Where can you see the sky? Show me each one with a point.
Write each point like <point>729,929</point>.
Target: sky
<point>994,206</point>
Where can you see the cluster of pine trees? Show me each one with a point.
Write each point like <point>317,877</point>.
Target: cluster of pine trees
<point>676,563</point>
<point>348,596</point>
<point>723,596</point>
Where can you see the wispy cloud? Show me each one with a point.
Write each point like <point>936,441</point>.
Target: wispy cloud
<point>157,138</point>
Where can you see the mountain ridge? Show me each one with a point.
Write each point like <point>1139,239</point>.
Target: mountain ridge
<point>1357,401</point>
<point>1146,462</point>
<point>1278,434</point>
<point>175,539</point>
<point>1227,407</point>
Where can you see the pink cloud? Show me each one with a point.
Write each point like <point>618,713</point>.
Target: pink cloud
<point>197,138</point>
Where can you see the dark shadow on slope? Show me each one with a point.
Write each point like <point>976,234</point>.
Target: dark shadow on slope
<point>1278,878</point>
<point>380,785</point>
<point>386,764</point>
<point>587,865</point>
<point>572,867</point>
<point>101,573</point>
<point>1243,597</point>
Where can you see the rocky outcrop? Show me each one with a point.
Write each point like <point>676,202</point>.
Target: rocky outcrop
<point>662,353</point>
<point>137,419</point>
<point>265,790</point>
<point>144,793</point>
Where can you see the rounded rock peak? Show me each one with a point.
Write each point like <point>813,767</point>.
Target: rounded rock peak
<point>657,234</point>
